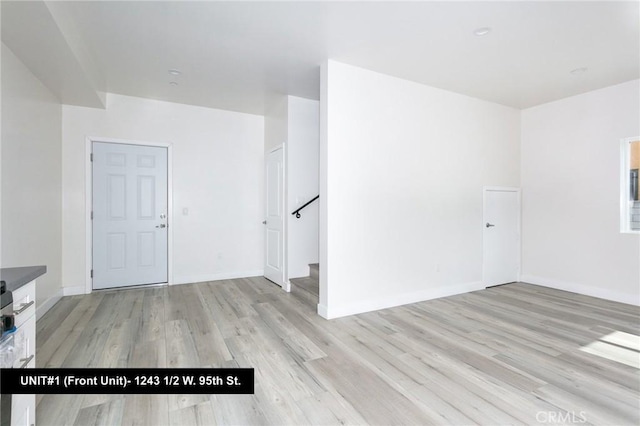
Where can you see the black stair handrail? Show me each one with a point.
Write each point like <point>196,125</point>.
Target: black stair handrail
<point>297,212</point>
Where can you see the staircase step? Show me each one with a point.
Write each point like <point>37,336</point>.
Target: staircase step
<point>308,285</point>
<point>314,271</point>
<point>306,290</point>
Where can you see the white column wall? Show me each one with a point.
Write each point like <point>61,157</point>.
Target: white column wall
<point>402,170</point>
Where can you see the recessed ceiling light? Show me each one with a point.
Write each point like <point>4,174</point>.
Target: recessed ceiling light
<point>482,31</point>
<point>174,72</point>
<point>173,83</point>
<point>578,71</point>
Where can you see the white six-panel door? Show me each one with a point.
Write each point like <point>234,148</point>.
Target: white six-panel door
<point>130,243</point>
<point>274,223</point>
<point>501,236</point>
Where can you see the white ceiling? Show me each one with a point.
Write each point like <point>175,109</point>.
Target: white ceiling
<point>233,55</point>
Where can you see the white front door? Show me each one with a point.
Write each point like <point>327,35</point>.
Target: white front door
<point>274,223</point>
<point>501,239</point>
<point>129,215</point>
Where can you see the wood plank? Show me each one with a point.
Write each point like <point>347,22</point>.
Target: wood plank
<point>58,410</point>
<point>152,317</point>
<point>605,369</point>
<point>609,398</point>
<point>52,351</point>
<point>197,415</point>
<point>475,405</point>
<point>92,341</point>
<point>279,367</point>
<point>614,353</point>
<point>48,324</point>
<point>371,396</point>
<point>291,336</point>
<point>149,354</point>
<point>108,413</point>
<point>328,409</point>
<point>582,408</point>
<point>141,409</point>
<point>501,355</point>
<point>237,410</point>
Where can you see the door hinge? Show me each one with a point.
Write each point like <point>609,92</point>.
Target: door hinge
<point>92,273</point>
<point>91,156</point>
<point>91,214</point>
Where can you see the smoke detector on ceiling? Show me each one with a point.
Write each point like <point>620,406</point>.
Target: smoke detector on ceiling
<point>483,31</point>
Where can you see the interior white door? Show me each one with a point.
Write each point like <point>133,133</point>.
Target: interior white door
<point>501,242</point>
<point>130,238</point>
<point>274,223</point>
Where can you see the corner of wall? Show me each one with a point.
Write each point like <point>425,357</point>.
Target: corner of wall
<point>324,201</point>
<point>31,157</point>
<point>601,293</point>
<point>275,121</point>
<point>323,311</point>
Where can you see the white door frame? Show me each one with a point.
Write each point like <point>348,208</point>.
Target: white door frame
<point>89,204</point>
<point>285,219</point>
<point>518,191</point>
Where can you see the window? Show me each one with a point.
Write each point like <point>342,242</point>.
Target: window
<point>630,185</point>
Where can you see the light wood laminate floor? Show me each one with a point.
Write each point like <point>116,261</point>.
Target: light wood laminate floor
<point>515,354</point>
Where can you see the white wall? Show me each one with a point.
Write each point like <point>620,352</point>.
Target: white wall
<point>404,166</point>
<point>323,184</point>
<point>217,175</point>
<point>571,194</point>
<point>2,47</point>
<point>275,122</point>
<point>302,184</point>
<point>31,175</point>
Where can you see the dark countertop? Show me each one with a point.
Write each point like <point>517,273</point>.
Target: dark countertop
<point>17,277</point>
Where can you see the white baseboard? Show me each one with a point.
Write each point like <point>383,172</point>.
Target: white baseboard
<point>602,293</point>
<point>74,291</point>
<point>189,279</point>
<point>322,311</point>
<point>44,307</point>
<point>330,312</point>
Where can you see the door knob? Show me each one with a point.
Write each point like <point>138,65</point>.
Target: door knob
<point>489,225</point>
<point>162,225</point>
<point>264,222</point>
